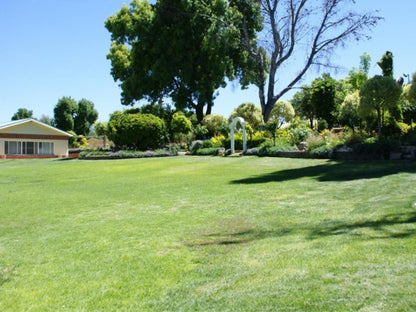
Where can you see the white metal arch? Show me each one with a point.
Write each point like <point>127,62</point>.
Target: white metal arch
<point>233,128</point>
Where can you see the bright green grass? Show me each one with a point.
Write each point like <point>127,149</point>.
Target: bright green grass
<point>207,234</point>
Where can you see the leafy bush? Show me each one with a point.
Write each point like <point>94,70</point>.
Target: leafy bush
<point>196,145</point>
<point>138,131</point>
<point>322,145</point>
<point>205,147</point>
<point>322,151</point>
<point>322,125</point>
<point>395,129</point>
<point>218,141</point>
<point>200,132</point>
<point>378,148</point>
<point>252,151</point>
<point>215,124</point>
<point>268,149</point>
<point>206,151</point>
<point>207,144</point>
<point>314,142</point>
<point>299,134</point>
<point>257,139</point>
<point>354,139</point>
<point>77,141</point>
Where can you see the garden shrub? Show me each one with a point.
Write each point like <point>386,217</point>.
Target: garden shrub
<point>180,124</point>
<point>377,148</point>
<point>322,151</point>
<point>314,142</point>
<point>353,139</point>
<point>395,129</point>
<point>196,145</point>
<point>256,139</point>
<point>205,147</point>
<point>299,134</point>
<point>200,132</point>
<point>207,144</point>
<point>251,151</point>
<point>206,151</point>
<point>138,131</point>
<point>322,125</point>
<point>77,141</point>
<point>410,137</point>
<point>215,124</point>
<point>268,149</point>
<point>217,141</point>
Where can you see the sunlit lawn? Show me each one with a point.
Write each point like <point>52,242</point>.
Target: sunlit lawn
<point>207,234</point>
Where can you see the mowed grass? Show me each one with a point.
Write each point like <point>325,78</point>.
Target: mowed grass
<point>207,234</point>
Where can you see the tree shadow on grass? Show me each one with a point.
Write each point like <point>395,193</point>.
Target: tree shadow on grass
<point>388,226</point>
<point>335,171</point>
<point>400,225</point>
<point>232,231</point>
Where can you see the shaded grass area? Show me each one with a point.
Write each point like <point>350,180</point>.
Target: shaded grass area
<point>335,171</point>
<point>207,234</point>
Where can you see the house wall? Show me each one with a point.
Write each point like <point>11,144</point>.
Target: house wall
<point>60,147</point>
<point>34,131</point>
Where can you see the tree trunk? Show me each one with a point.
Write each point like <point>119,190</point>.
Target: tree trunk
<point>199,111</point>
<point>209,109</point>
<point>379,122</point>
<point>267,109</point>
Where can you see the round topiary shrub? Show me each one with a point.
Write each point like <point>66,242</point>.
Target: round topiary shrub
<point>139,131</point>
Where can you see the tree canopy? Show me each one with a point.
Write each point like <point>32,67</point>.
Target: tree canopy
<point>250,113</point>
<point>302,104</point>
<point>72,116</point>
<point>281,113</point>
<point>323,98</point>
<point>85,117</point>
<point>183,49</point>
<point>64,112</point>
<point>22,113</point>
<point>379,94</point>
<point>293,26</point>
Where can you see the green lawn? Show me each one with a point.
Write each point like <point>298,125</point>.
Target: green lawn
<point>207,234</point>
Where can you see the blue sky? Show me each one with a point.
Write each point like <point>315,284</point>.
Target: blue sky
<point>55,48</point>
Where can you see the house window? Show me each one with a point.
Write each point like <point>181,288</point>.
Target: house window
<point>28,148</point>
<point>45,148</point>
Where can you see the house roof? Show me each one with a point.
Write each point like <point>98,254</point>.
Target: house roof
<point>19,122</point>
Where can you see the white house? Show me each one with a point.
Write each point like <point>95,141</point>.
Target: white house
<point>29,138</point>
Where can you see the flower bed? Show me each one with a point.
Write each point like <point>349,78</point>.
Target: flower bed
<point>123,154</point>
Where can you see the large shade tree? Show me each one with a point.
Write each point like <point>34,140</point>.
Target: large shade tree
<point>85,117</point>
<point>64,113</point>
<point>183,49</point>
<point>72,116</point>
<point>300,34</point>
<point>22,113</point>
